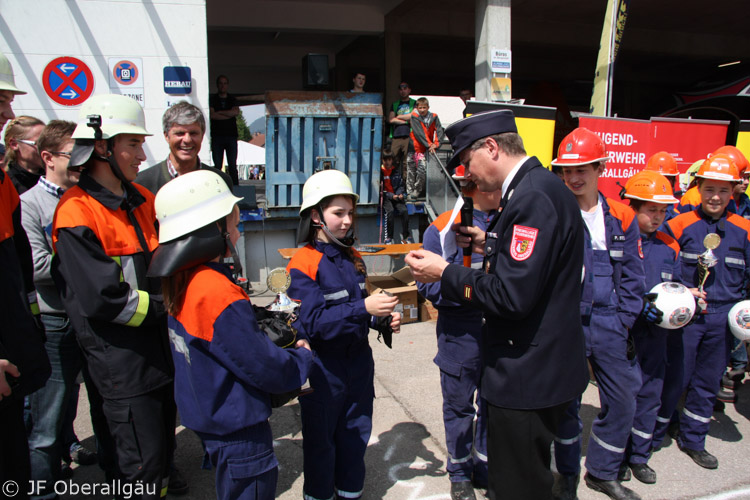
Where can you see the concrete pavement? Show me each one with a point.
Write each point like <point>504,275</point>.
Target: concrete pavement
<point>406,455</point>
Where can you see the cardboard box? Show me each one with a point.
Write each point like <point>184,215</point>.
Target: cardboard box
<point>402,285</point>
<point>427,312</point>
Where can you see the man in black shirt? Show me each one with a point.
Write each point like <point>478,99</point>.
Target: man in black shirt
<point>224,111</point>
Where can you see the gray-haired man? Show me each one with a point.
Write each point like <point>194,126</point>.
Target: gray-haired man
<point>184,127</point>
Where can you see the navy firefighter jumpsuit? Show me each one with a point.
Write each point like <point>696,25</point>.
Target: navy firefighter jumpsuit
<point>612,299</point>
<point>458,339</point>
<point>707,340</point>
<point>337,415</point>
<point>225,368</point>
<point>661,261</point>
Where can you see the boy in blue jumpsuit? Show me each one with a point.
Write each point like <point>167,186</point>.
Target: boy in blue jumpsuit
<point>613,287</point>
<point>328,277</point>
<point>665,164</point>
<point>738,356</point>
<point>225,365</point>
<point>707,340</point>
<point>458,337</point>
<point>650,195</point>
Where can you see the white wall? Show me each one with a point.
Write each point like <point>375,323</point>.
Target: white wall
<point>159,32</point>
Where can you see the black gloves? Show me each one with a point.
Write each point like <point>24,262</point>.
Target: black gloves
<point>277,325</point>
<point>650,312</point>
<point>383,326</point>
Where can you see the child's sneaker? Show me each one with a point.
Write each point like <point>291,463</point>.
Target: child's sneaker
<point>388,241</point>
<point>408,241</point>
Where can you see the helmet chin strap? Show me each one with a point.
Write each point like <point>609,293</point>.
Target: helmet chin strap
<point>228,245</point>
<point>347,241</point>
<point>95,122</point>
<point>237,267</point>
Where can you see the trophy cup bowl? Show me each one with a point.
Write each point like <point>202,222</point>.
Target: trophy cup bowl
<point>707,259</point>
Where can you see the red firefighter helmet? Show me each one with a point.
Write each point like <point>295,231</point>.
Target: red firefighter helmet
<point>736,155</point>
<point>580,147</point>
<point>648,185</point>
<point>662,162</point>
<point>719,168</point>
<point>460,173</point>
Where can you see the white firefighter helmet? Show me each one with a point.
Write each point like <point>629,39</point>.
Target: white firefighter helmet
<point>676,302</point>
<point>7,80</point>
<point>324,184</point>
<point>739,320</point>
<point>117,114</point>
<point>190,202</point>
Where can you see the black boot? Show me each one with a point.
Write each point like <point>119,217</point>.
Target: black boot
<point>624,473</point>
<point>613,489</point>
<point>643,473</point>
<point>565,487</point>
<point>462,490</point>
<point>700,457</point>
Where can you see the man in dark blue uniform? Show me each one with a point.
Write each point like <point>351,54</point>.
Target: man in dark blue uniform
<point>529,291</point>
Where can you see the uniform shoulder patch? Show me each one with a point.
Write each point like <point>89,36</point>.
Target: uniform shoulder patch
<point>523,241</point>
<point>306,260</point>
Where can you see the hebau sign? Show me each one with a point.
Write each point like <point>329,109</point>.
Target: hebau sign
<point>177,80</point>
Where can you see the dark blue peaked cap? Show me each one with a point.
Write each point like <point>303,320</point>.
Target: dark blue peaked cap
<point>464,133</point>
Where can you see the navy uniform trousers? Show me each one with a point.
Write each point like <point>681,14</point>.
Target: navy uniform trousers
<point>651,349</point>
<point>458,357</point>
<point>337,422</point>
<point>618,379</point>
<point>246,467</point>
<point>706,346</point>
<point>672,387</point>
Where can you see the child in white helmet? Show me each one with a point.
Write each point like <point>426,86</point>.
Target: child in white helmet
<point>336,314</point>
<point>226,367</point>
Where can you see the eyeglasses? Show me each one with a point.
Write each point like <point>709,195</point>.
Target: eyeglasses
<point>28,142</point>
<point>66,154</point>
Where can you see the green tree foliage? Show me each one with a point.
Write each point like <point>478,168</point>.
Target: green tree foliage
<point>243,132</point>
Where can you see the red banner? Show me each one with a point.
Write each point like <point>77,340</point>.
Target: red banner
<point>630,143</point>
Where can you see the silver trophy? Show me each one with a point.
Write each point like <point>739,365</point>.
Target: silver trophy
<point>278,282</point>
<point>707,259</point>
<point>278,326</point>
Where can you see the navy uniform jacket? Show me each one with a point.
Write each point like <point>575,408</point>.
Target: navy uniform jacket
<point>333,314</point>
<point>225,366</point>
<point>728,279</point>
<point>532,341</point>
<point>661,262</point>
<point>459,328</point>
<point>625,267</point>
